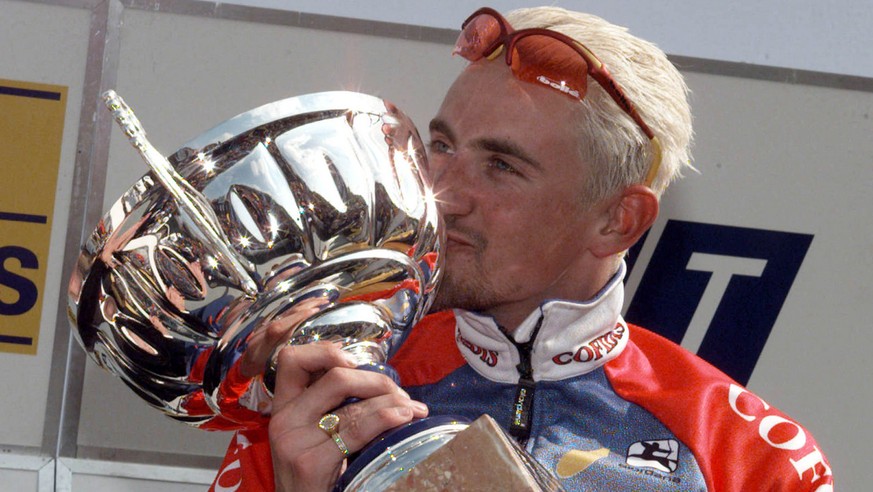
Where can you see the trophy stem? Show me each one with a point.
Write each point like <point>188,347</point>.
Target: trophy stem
<point>188,199</point>
<point>366,352</point>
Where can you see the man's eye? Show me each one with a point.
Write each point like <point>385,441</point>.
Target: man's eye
<point>439,147</point>
<point>501,165</point>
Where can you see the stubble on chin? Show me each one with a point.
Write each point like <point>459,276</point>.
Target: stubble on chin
<point>464,284</point>
<point>466,292</point>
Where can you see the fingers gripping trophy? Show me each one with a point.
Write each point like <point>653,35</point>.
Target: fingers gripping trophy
<point>302,220</point>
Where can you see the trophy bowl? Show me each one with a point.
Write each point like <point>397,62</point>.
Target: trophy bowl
<point>306,219</point>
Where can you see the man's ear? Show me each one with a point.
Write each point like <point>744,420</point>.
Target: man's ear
<point>626,217</point>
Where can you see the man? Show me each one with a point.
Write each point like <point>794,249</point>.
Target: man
<point>547,169</point>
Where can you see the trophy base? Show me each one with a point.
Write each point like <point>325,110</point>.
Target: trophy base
<point>391,456</point>
<point>447,455</point>
<point>483,458</point>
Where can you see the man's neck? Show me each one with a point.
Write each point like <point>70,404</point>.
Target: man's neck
<point>510,316</point>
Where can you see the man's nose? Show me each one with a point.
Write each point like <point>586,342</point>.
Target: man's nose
<point>454,187</point>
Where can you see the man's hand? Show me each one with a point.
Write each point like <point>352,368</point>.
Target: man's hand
<point>312,380</point>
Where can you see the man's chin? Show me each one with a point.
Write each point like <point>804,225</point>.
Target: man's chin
<point>443,297</point>
<point>439,304</point>
<point>450,295</point>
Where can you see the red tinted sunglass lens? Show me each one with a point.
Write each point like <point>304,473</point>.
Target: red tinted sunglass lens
<point>545,60</point>
<point>477,37</point>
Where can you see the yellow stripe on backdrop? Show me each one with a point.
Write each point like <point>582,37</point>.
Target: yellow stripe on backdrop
<point>31,130</point>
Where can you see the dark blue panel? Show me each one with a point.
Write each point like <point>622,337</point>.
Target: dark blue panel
<point>669,293</point>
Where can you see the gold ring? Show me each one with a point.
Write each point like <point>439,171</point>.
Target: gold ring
<point>329,423</point>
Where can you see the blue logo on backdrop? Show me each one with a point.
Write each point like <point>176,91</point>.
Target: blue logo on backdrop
<point>27,290</point>
<point>717,289</point>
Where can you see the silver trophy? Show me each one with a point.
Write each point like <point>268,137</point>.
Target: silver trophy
<point>306,219</point>
<point>302,220</point>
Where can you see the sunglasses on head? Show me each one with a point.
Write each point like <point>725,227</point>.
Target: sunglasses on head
<point>549,58</point>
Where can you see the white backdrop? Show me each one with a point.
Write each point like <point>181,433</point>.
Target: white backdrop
<point>832,36</point>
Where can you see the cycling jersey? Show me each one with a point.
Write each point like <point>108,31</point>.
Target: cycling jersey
<point>602,404</point>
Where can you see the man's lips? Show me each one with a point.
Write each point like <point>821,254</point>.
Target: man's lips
<point>458,239</point>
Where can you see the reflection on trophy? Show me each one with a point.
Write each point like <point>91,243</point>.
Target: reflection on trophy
<point>306,219</point>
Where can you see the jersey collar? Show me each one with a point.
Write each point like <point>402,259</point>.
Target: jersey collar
<point>575,337</point>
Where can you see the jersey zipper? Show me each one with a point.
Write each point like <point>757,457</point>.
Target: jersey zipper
<point>523,408</point>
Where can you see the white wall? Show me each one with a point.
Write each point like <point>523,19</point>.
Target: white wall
<point>827,36</point>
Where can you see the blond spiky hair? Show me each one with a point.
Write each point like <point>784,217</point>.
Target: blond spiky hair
<point>618,150</point>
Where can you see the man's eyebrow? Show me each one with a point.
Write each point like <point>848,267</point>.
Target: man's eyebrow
<point>440,126</point>
<point>507,147</point>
